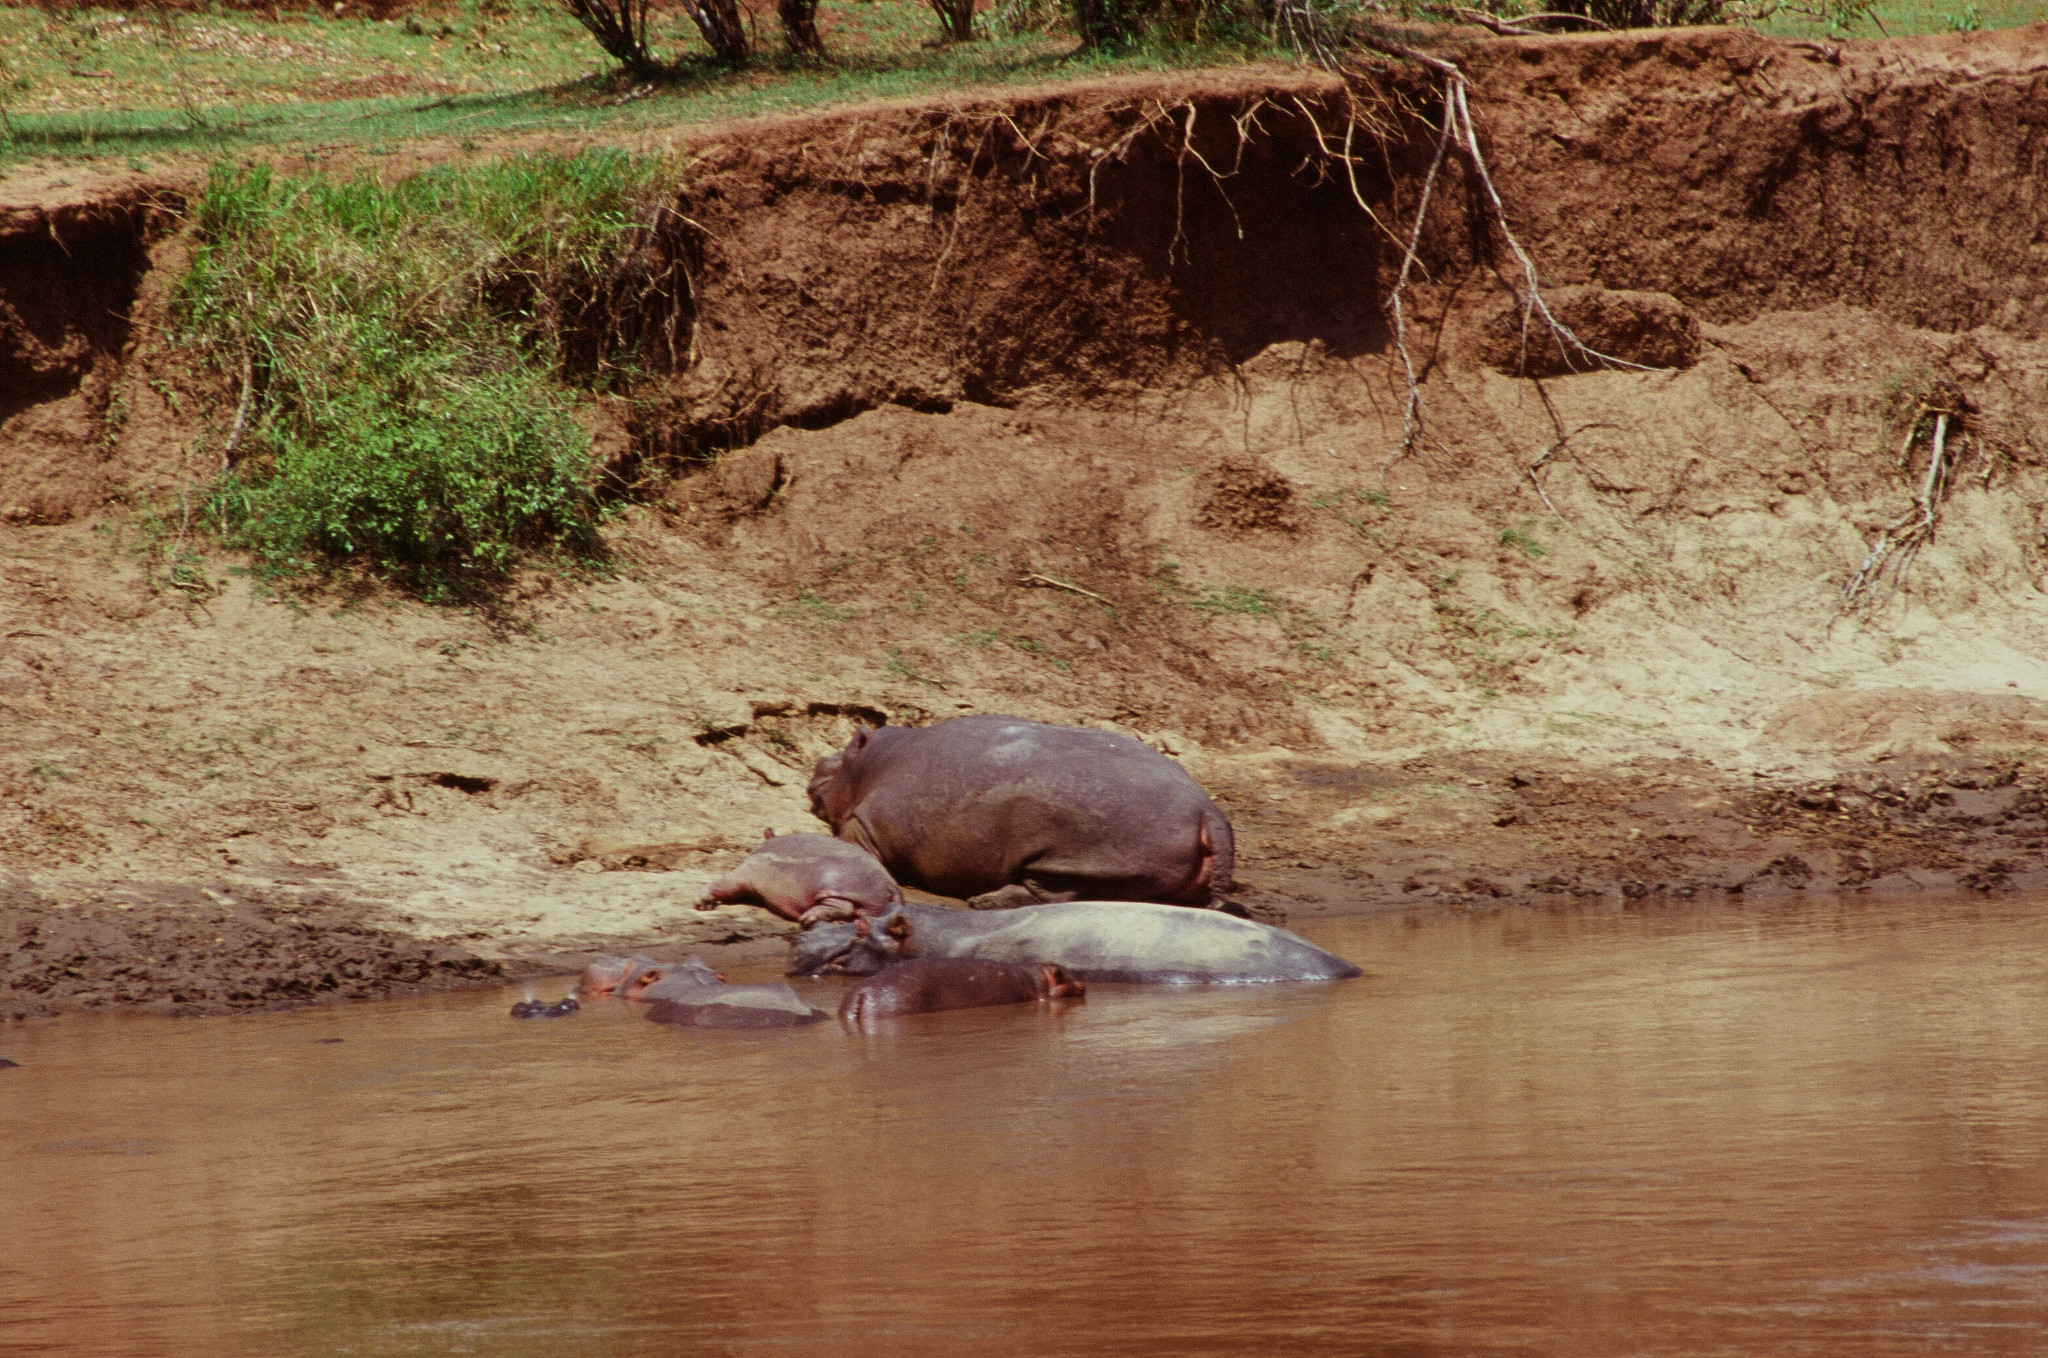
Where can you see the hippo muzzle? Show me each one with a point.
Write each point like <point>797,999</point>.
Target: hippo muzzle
<point>861,948</point>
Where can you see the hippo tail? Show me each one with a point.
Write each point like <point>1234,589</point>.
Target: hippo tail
<point>1219,857</point>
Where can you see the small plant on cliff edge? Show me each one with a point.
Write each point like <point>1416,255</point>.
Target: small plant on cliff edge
<point>405,356</point>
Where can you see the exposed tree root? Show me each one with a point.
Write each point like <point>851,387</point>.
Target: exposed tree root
<point>1518,26</point>
<point>1456,129</point>
<point>1563,441</point>
<point>1884,568</point>
<point>969,143</point>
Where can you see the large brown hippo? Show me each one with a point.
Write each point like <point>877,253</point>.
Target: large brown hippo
<point>808,878</point>
<point>1002,812</point>
<point>1092,940</point>
<point>930,984</point>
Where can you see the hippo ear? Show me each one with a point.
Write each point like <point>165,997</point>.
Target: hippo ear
<point>899,928</point>
<point>861,735</point>
<point>860,927</point>
<point>768,833</point>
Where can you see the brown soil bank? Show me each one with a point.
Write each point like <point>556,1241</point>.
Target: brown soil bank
<point>1079,404</point>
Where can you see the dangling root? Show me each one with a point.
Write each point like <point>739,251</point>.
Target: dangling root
<point>1884,569</point>
<point>1457,129</point>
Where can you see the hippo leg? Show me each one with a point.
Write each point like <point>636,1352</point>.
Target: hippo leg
<point>1026,892</point>
<point>829,909</point>
<point>725,891</point>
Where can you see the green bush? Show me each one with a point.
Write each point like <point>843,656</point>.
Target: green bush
<point>413,354</point>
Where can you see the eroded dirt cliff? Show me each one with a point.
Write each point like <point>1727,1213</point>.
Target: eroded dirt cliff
<point>1081,405</point>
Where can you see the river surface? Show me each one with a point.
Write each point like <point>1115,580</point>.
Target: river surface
<point>1813,1126</point>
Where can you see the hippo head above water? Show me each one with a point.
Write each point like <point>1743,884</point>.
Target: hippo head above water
<point>860,948</point>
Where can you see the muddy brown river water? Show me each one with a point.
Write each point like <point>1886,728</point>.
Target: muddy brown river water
<point>1805,1127</point>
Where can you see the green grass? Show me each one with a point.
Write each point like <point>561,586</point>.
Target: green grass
<point>82,87</point>
<point>415,353</point>
<point>1523,539</point>
<point>133,89</point>
<point>1214,603</point>
<point>1905,18</point>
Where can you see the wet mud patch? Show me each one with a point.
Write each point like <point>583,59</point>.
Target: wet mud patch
<point>189,950</point>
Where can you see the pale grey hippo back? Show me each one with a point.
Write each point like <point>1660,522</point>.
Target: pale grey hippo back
<point>730,1006</point>
<point>1094,940</point>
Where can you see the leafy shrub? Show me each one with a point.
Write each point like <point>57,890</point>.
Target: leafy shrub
<point>411,353</point>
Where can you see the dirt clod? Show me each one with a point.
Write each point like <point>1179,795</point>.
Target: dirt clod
<point>1247,498</point>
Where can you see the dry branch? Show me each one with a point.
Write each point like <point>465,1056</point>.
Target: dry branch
<point>1033,580</point>
<point>1515,27</point>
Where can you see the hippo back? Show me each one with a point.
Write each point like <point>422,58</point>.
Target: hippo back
<point>733,1006</point>
<point>970,805</point>
<point>1155,944</point>
<point>1126,941</point>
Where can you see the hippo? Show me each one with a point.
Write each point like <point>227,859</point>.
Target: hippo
<point>1093,940</point>
<point>808,878</point>
<point>732,1006</point>
<point>926,985</point>
<point>690,994</point>
<point>1003,812</point>
<point>626,977</point>
<point>541,1009</point>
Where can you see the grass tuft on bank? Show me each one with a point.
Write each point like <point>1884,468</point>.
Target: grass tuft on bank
<point>406,358</point>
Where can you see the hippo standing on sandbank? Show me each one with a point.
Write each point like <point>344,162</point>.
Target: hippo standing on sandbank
<point>1003,812</point>
<point>927,985</point>
<point>808,878</point>
<point>1092,940</point>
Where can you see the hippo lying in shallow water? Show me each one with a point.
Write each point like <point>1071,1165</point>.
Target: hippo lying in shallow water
<point>690,994</point>
<point>926,985</point>
<point>1093,940</point>
<point>1001,812</point>
<point>808,878</point>
<point>626,977</point>
<point>733,1006</point>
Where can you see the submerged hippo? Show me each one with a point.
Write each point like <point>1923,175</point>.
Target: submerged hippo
<point>808,878</point>
<point>690,994</point>
<point>732,1006</point>
<point>1002,812</point>
<point>626,977</point>
<point>925,985</point>
<point>1093,940</point>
